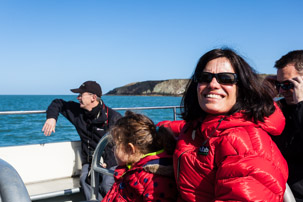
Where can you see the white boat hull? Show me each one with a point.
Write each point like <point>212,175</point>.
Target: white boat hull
<point>47,170</point>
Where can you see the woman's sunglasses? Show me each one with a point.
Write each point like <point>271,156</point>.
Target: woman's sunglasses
<point>222,78</point>
<point>285,85</point>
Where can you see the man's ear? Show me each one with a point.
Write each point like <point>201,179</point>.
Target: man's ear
<point>131,148</point>
<point>94,97</point>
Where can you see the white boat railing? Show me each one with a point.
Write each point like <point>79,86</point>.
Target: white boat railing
<point>174,108</point>
<point>22,112</point>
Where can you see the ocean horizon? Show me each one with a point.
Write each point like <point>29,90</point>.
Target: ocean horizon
<point>26,129</point>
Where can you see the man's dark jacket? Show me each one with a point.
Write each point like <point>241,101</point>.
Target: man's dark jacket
<point>290,143</point>
<point>91,126</point>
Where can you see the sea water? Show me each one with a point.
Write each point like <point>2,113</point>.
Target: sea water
<point>27,128</point>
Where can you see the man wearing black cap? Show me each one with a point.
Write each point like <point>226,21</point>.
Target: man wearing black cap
<point>92,120</point>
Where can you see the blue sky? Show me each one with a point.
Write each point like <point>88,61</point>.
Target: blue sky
<point>51,46</point>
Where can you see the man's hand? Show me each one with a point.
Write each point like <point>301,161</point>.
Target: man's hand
<point>49,126</point>
<point>298,89</point>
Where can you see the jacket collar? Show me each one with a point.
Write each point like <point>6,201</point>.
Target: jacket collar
<point>94,113</point>
<point>274,124</point>
<point>157,162</point>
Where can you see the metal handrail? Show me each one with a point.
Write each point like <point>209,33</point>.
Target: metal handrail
<point>22,112</point>
<point>117,109</point>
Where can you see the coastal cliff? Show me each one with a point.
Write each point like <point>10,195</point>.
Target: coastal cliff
<point>171,87</point>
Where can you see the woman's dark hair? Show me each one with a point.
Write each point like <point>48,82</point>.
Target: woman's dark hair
<point>252,96</point>
<point>141,131</point>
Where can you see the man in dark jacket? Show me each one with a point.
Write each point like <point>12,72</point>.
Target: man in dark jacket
<point>290,85</point>
<point>92,120</point>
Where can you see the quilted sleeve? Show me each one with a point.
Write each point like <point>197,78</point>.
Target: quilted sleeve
<point>175,126</point>
<point>275,123</point>
<point>250,167</point>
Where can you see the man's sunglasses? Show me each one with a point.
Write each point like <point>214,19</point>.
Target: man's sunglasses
<point>285,85</point>
<point>222,78</point>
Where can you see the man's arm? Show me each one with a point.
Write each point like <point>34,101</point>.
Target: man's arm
<point>298,99</point>
<point>298,116</point>
<point>57,106</point>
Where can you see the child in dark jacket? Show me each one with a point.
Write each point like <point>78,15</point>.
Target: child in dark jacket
<point>144,156</point>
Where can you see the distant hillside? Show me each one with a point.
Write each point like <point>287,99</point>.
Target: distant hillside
<point>172,87</point>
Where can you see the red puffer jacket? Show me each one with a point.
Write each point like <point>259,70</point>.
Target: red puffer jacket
<point>229,159</point>
<point>150,179</point>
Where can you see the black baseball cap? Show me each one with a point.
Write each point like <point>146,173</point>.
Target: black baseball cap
<point>90,87</point>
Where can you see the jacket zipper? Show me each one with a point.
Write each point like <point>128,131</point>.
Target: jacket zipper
<point>205,141</point>
<point>178,168</point>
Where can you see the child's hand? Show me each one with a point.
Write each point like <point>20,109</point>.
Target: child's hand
<point>103,165</point>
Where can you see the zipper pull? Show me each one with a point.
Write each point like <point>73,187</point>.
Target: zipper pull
<point>193,135</point>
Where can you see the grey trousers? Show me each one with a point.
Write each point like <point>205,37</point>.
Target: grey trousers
<point>105,184</point>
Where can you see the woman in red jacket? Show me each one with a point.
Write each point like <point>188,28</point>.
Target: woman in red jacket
<point>224,152</point>
<point>145,165</point>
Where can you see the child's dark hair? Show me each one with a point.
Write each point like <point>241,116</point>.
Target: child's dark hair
<point>141,131</point>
